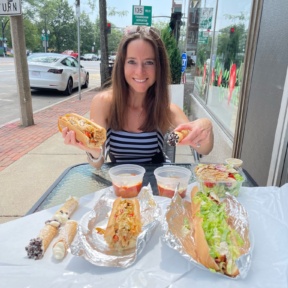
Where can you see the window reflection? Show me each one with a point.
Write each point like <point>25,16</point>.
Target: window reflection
<point>221,30</point>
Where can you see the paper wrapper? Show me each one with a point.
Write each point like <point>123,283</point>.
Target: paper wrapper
<point>91,245</point>
<point>178,231</point>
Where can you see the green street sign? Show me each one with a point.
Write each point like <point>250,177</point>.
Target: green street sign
<point>206,17</point>
<point>203,37</point>
<point>142,15</point>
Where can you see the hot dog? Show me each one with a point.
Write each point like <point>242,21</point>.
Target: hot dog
<point>218,245</point>
<point>89,133</point>
<point>124,224</point>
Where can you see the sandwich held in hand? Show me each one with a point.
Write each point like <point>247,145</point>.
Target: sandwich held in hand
<point>176,137</point>
<point>87,132</point>
<point>38,246</point>
<point>218,245</point>
<point>124,224</point>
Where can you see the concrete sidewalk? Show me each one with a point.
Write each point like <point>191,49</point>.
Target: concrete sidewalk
<point>32,158</point>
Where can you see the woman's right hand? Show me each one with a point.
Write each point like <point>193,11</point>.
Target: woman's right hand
<point>70,139</point>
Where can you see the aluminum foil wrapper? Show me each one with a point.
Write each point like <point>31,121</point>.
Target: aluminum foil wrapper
<point>178,230</point>
<point>91,245</point>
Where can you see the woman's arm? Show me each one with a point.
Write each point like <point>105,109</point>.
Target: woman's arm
<point>200,136</point>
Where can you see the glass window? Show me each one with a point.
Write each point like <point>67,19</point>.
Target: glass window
<point>220,56</point>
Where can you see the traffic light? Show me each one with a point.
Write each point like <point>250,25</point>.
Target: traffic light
<point>175,23</point>
<point>77,2</point>
<point>108,30</point>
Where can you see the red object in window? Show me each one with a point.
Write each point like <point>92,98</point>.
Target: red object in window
<point>204,74</point>
<point>219,79</point>
<point>232,81</point>
<point>212,77</point>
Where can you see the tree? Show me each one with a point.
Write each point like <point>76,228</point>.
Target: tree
<point>174,55</point>
<point>104,68</point>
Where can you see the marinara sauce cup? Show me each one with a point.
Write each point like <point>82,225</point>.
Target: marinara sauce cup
<point>127,179</point>
<point>169,176</point>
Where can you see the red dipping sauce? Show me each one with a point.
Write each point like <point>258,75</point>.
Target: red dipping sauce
<point>127,191</point>
<point>167,192</point>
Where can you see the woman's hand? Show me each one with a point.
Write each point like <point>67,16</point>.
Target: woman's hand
<point>200,135</point>
<point>70,139</point>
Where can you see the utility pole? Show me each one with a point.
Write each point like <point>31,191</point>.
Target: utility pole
<point>24,92</point>
<point>104,68</point>
<point>77,3</point>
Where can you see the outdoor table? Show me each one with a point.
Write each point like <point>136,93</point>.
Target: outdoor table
<point>82,179</point>
<point>158,265</point>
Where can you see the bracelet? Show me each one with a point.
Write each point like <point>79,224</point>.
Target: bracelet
<point>92,159</point>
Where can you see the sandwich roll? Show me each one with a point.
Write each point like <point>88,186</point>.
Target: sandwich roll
<point>124,224</point>
<point>87,132</point>
<point>218,245</point>
<point>176,137</point>
<point>66,236</point>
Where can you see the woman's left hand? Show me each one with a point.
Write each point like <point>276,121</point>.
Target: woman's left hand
<point>200,135</point>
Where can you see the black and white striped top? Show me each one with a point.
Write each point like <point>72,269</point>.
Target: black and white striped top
<point>130,147</point>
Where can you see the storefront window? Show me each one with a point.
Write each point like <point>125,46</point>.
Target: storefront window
<point>222,34</point>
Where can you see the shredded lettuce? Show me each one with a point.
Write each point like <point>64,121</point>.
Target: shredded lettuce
<point>217,232</point>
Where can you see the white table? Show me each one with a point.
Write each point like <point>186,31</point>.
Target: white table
<point>158,265</point>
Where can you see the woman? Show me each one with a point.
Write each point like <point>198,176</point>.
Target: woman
<point>136,110</point>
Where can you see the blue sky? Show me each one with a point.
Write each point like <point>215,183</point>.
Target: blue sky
<point>159,8</point>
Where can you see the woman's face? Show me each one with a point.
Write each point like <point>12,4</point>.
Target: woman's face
<point>140,66</point>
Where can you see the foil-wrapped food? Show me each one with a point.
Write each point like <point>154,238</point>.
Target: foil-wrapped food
<point>92,243</point>
<point>212,234</point>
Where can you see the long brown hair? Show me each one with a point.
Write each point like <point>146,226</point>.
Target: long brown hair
<point>157,100</point>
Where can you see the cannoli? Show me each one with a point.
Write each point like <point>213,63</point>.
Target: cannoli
<point>39,245</point>
<point>66,236</point>
<point>65,212</point>
<point>176,136</point>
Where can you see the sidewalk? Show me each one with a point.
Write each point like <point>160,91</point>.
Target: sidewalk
<point>32,158</point>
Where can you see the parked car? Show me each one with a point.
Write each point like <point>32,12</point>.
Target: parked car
<point>90,57</point>
<point>55,71</point>
<point>71,53</point>
<point>112,58</point>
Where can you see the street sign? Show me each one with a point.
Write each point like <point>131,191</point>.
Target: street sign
<point>142,15</point>
<point>184,62</point>
<point>203,37</point>
<point>10,7</point>
<point>206,16</point>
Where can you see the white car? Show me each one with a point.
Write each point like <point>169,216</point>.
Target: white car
<point>56,71</point>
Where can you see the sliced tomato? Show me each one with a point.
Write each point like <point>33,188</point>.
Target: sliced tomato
<point>88,134</point>
<point>231,175</point>
<point>115,238</point>
<point>209,184</point>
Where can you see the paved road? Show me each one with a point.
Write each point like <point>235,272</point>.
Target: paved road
<point>9,100</point>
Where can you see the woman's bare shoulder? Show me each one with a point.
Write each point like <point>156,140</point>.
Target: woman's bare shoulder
<point>103,96</point>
